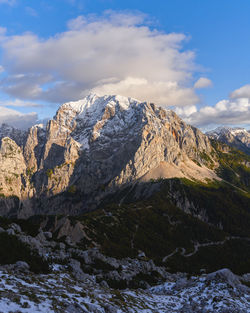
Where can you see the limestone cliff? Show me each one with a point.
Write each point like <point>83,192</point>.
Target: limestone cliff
<point>96,145</point>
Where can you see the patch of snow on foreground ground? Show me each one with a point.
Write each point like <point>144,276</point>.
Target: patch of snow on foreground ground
<point>60,292</point>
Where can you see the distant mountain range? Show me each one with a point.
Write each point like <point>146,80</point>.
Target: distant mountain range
<point>238,138</point>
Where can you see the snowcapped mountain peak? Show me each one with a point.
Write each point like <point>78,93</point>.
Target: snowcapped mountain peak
<point>219,131</point>
<point>94,103</point>
<point>236,137</point>
<point>92,107</point>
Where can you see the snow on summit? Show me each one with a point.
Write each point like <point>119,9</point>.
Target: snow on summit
<point>94,104</point>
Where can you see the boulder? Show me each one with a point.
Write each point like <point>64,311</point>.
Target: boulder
<point>21,266</point>
<point>224,275</point>
<point>104,284</point>
<point>16,228</point>
<point>77,271</point>
<point>74,308</point>
<point>48,235</point>
<point>11,231</point>
<point>61,245</point>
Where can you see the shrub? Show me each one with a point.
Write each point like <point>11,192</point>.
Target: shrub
<point>13,250</point>
<point>49,172</point>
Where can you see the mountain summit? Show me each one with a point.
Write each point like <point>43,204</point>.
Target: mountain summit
<point>238,138</point>
<point>94,146</point>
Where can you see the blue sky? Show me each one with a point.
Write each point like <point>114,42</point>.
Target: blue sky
<point>215,46</point>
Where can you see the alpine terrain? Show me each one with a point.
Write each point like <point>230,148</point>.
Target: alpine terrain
<point>238,138</point>
<point>118,205</point>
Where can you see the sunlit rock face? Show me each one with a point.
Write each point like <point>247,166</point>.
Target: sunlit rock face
<point>97,144</point>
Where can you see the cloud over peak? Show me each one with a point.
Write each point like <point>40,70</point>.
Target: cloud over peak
<point>113,53</point>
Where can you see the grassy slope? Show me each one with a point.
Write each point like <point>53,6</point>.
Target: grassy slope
<point>233,165</point>
<point>157,227</point>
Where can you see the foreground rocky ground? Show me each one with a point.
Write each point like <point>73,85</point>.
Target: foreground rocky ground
<point>61,292</point>
<point>87,281</point>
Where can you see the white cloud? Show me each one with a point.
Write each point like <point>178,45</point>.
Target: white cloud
<point>161,92</point>
<point>225,112</point>
<point>203,82</point>
<point>243,92</point>
<point>115,53</point>
<point>17,119</point>
<point>186,111</point>
<point>19,103</point>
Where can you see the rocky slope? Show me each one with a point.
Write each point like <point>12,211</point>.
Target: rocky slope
<point>60,292</point>
<point>87,281</point>
<point>238,138</point>
<point>94,146</point>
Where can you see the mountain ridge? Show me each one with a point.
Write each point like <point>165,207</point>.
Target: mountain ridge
<point>236,137</point>
<point>94,146</point>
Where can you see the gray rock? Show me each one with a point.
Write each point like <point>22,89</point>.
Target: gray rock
<point>104,284</point>
<point>239,139</point>
<point>75,308</point>
<point>141,254</point>
<point>246,277</point>
<point>61,245</point>
<point>22,266</point>
<point>10,231</point>
<point>92,308</point>
<point>68,241</point>
<point>224,275</point>
<point>142,142</point>
<point>16,228</point>
<point>110,308</point>
<point>77,271</point>
<point>41,237</point>
<point>181,283</point>
<point>47,234</point>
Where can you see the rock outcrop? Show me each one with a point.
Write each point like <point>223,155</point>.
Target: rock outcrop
<point>94,146</point>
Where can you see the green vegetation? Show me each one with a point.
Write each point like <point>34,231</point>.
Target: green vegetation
<point>8,180</point>
<point>13,250</point>
<point>206,158</point>
<point>157,226</point>
<point>234,165</point>
<point>29,226</point>
<point>179,214</point>
<point>30,172</point>
<point>222,204</point>
<point>72,189</point>
<point>234,254</point>
<point>49,173</point>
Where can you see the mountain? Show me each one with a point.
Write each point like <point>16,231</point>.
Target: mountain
<point>92,148</point>
<point>114,193</point>
<point>238,138</point>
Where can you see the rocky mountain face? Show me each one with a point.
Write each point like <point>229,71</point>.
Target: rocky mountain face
<point>112,154</point>
<point>238,138</point>
<point>92,147</point>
